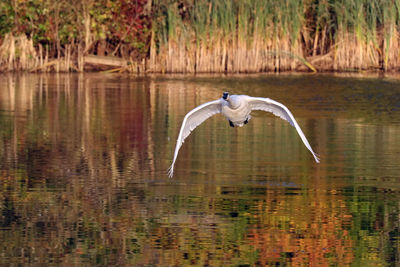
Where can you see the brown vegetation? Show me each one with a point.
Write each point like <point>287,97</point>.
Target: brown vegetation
<point>200,37</point>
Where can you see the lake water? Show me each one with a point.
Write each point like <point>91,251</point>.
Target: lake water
<point>84,158</point>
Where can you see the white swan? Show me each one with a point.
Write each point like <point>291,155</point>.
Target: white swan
<point>237,109</point>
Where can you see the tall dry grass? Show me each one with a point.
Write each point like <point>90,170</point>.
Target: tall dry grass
<point>265,35</point>
<point>239,36</point>
<point>18,53</point>
<point>229,36</point>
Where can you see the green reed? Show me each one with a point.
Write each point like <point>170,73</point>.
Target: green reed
<point>259,35</point>
<point>217,36</point>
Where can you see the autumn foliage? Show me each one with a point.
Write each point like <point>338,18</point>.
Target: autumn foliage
<point>189,36</point>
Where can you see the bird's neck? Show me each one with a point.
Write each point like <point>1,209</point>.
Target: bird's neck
<point>233,103</point>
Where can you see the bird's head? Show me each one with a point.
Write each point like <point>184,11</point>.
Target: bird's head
<point>225,95</point>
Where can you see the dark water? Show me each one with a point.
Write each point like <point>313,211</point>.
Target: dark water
<point>83,181</point>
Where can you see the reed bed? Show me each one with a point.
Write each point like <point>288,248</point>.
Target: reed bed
<point>266,35</point>
<point>233,36</point>
<point>19,54</point>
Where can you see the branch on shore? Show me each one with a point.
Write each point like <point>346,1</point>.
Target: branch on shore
<point>105,60</point>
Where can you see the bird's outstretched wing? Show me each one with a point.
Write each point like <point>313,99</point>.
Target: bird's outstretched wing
<point>280,110</point>
<point>193,119</point>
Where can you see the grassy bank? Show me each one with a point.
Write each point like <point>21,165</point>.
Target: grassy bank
<point>192,36</point>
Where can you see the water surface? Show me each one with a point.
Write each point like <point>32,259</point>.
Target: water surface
<point>83,160</point>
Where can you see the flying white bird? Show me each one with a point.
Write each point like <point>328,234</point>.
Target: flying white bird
<point>237,109</point>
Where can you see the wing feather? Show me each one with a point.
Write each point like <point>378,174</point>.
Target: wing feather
<point>193,119</point>
<point>280,110</point>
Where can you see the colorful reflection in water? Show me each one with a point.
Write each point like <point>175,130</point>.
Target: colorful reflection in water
<point>83,161</point>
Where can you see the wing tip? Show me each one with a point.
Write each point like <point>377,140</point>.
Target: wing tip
<point>317,158</point>
<point>170,171</point>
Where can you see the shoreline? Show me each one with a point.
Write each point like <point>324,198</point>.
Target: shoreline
<point>200,37</point>
<point>111,64</point>
<point>340,74</point>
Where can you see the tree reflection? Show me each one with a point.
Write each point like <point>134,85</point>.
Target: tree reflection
<point>83,163</point>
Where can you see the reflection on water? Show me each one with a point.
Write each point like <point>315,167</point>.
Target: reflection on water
<point>83,162</point>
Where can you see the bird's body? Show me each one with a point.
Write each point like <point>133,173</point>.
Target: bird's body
<point>237,109</point>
